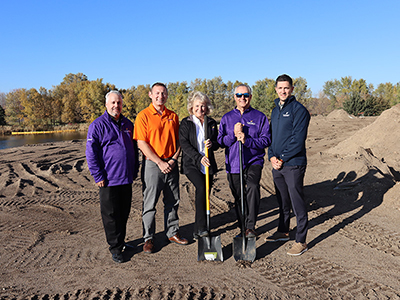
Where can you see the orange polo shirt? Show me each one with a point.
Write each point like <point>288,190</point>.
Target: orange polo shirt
<point>160,132</point>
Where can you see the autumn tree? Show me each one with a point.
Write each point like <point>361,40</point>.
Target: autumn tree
<point>68,91</point>
<point>177,98</point>
<point>34,110</point>
<point>320,105</point>
<point>129,102</point>
<point>220,94</point>
<point>14,108</point>
<point>92,99</point>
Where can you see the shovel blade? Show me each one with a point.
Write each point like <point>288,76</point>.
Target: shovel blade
<point>244,248</point>
<point>209,248</point>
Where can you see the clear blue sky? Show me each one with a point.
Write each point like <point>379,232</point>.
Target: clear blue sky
<point>139,42</point>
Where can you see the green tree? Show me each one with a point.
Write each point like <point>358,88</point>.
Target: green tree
<point>364,106</point>
<point>388,92</point>
<point>340,91</point>
<point>264,95</point>
<point>2,116</point>
<point>301,91</point>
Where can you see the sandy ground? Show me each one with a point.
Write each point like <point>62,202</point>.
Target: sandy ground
<point>52,244</point>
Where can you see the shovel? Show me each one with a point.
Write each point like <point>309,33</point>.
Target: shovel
<point>209,248</point>
<point>243,248</point>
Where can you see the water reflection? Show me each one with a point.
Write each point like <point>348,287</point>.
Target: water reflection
<point>10,141</point>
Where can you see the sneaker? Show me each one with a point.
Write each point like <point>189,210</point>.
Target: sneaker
<point>298,249</point>
<point>277,237</point>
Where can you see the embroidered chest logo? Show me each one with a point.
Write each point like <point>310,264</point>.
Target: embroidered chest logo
<point>286,114</point>
<point>251,122</point>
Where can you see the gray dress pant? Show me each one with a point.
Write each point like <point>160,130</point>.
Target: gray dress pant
<point>155,182</point>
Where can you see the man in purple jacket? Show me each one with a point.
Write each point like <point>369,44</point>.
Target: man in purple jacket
<point>112,158</point>
<point>251,127</point>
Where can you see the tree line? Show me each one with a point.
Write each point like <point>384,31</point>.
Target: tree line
<point>80,100</point>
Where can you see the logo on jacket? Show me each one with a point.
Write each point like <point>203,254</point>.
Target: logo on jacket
<point>286,114</point>
<point>251,122</point>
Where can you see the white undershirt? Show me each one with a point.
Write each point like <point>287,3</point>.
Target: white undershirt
<point>200,139</point>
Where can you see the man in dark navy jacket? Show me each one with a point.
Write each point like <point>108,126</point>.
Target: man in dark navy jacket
<point>112,158</point>
<point>287,154</point>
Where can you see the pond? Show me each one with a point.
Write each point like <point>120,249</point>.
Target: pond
<point>9,141</point>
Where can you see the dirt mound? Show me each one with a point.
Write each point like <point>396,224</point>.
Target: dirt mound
<point>381,139</point>
<point>339,114</point>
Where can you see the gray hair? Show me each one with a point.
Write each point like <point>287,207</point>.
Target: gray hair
<point>113,92</point>
<point>245,85</point>
<point>203,98</point>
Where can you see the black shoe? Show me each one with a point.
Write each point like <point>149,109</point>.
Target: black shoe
<point>128,247</point>
<point>117,257</point>
<point>197,235</point>
<point>251,233</point>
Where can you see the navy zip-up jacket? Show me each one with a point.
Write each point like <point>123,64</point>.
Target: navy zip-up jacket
<point>289,127</point>
<point>111,152</point>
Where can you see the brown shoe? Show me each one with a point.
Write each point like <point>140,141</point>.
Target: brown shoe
<point>148,246</point>
<point>177,239</point>
<point>251,233</point>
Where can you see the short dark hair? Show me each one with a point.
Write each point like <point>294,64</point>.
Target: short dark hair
<point>159,84</point>
<point>284,77</point>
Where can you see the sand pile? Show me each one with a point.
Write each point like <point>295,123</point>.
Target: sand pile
<point>339,114</point>
<point>381,139</point>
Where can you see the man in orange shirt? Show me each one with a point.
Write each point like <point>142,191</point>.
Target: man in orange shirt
<point>157,133</point>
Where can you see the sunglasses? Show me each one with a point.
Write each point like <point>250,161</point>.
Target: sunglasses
<point>239,95</point>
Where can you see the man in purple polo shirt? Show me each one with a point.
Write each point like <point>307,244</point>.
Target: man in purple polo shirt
<point>251,127</point>
<point>112,158</point>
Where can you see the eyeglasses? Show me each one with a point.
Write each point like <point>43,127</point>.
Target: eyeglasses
<point>239,95</point>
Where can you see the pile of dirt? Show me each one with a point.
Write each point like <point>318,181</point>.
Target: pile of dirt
<point>381,139</point>
<point>339,114</point>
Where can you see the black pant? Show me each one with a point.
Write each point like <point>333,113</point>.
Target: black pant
<point>252,176</point>
<point>115,206</point>
<point>289,186</point>
<point>199,181</point>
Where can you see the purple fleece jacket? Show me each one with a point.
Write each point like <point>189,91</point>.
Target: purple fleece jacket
<point>111,152</point>
<point>258,137</point>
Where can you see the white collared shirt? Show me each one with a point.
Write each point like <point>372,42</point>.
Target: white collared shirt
<point>200,139</point>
